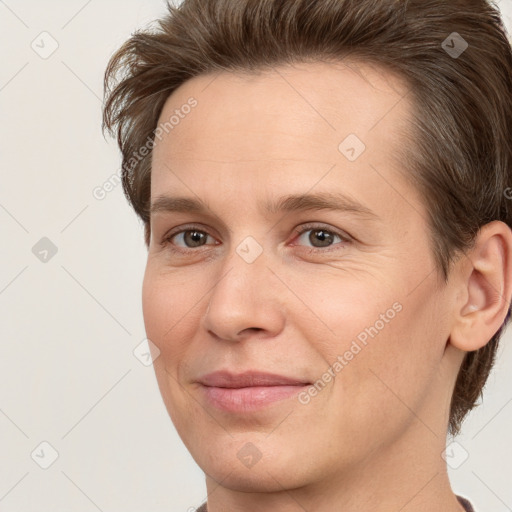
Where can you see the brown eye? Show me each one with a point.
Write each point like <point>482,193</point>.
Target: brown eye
<point>318,237</point>
<point>193,238</point>
<point>323,237</point>
<point>189,238</point>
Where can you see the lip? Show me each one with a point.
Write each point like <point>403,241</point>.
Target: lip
<point>248,391</point>
<point>250,378</point>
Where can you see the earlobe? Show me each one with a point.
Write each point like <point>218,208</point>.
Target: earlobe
<point>486,279</point>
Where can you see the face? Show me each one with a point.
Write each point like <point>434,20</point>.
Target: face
<point>290,244</point>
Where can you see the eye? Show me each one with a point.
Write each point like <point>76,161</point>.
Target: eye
<point>188,238</point>
<point>320,237</point>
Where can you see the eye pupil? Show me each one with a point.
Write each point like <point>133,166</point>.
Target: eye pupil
<point>324,237</point>
<point>194,238</point>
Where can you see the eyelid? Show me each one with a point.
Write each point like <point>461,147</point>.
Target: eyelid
<point>321,226</point>
<point>312,226</point>
<point>180,229</point>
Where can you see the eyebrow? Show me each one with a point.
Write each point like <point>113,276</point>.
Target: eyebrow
<point>291,203</point>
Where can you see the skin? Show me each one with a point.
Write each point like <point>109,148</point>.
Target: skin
<point>372,438</point>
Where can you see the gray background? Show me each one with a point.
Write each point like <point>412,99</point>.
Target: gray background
<point>70,324</point>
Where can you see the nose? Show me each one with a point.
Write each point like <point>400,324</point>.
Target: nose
<point>244,301</point>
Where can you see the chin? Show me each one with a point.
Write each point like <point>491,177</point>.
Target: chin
<point>267,478</point>
<point>250,466</point>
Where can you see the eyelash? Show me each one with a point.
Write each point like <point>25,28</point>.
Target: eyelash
<point>345,239</point>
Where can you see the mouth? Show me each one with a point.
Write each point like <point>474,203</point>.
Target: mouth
<point>249,391</point>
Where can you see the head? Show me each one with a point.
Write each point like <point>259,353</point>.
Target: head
<point>234,106</point>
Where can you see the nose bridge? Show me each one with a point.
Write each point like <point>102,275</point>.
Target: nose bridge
<point>241,273</point>
<point>241,297</point>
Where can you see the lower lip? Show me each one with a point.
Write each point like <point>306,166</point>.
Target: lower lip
<point>250,398</point>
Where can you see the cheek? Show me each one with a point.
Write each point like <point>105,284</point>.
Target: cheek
<point>169,306</point>
<point>344,309</point>
<point>395,369</point>
<point>168,311</point>
<point>385,340</point>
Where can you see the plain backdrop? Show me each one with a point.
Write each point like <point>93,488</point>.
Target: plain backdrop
<point>82,423</point>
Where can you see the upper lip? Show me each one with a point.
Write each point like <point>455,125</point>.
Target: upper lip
<point>226,379</point>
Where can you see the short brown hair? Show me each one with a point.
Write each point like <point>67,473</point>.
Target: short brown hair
<point>460,156</point>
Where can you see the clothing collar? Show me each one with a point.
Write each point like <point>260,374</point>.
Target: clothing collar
<point>463,501</point>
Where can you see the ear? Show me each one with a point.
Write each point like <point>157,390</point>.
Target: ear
<point>484,284</point>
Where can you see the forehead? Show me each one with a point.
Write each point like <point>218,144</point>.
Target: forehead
<point>300,111</point>
<point>284,128</point>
